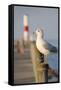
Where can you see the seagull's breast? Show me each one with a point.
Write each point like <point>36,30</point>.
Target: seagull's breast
<point>39,43</point>
<point>40,47</point>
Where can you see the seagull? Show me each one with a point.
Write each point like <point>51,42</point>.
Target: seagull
<point>43,46</point>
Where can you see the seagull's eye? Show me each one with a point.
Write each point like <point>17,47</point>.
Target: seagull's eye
<point>38,30</point>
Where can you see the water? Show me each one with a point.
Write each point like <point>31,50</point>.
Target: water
<point>53,61</point>
<point>53,58</point>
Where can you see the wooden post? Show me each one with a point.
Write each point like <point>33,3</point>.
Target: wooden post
<point>40,68</point>
<point>42,72</point>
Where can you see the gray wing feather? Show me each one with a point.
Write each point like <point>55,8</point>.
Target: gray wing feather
<point>50,47</point>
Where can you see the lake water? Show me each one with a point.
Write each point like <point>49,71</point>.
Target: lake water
<point>53,58</point>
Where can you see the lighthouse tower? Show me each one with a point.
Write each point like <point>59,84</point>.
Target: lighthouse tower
<point>26,29</point>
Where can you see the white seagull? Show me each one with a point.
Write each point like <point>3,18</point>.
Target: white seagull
<point>43,46</point>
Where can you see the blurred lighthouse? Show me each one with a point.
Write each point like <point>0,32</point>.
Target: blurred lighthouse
<point>26,29</point>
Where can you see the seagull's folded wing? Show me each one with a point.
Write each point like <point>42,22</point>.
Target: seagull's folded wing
<point>50,47</point>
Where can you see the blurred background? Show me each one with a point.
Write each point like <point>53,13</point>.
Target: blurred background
<point>46,18</point>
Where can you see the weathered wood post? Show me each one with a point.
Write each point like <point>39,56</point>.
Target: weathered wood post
<point>39,67</point>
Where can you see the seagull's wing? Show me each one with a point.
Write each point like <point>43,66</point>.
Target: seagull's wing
<point>50,47</point>
<point>45,45</point>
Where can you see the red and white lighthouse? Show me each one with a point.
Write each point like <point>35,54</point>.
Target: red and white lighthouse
<point>26,28</point>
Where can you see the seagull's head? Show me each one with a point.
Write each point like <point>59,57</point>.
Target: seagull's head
<point>39,32</point>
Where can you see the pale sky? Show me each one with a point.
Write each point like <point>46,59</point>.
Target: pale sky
<point>46,18</point>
